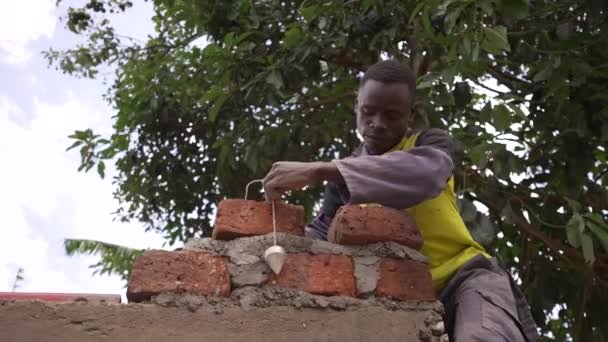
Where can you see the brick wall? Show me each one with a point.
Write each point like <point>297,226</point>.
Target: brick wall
<point>373,253</point>
<point>213,267</point>
<point>372,257</point>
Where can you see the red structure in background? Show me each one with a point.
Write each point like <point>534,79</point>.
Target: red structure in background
<point>61,297</point>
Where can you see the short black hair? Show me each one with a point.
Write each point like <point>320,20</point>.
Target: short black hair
<point>391,71</point>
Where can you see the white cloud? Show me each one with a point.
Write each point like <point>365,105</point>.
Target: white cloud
<point>21,22</point>
<point>44,199</point>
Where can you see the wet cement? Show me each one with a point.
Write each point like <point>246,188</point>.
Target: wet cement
<point>251,249</point>
<point>247,267</point>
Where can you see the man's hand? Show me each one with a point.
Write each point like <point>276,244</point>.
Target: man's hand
<point>286,176</point>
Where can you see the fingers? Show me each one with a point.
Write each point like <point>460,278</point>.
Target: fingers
<point>278,181</point>
<point>274,194</point>
<point>271,191</point>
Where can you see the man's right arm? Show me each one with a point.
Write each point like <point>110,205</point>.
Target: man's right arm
<point>332,201</point>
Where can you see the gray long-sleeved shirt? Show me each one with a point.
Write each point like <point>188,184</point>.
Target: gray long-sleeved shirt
<point>397,179</point>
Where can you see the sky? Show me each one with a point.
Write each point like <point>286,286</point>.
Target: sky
<point>43,198</point>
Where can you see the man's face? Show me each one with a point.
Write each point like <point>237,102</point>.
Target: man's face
<point>382,110</point>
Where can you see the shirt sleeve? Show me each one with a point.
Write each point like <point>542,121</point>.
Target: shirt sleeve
<point>400,179</point>
<point>332,201</point>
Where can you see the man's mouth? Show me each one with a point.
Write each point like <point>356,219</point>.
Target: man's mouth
<point>375,138</point>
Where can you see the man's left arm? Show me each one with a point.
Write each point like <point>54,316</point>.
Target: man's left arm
<point>400,179</point>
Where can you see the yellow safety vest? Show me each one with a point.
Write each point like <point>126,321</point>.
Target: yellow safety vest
<point>447,242</point>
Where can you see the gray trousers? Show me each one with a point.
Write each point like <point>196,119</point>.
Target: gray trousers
<point>483,303</point>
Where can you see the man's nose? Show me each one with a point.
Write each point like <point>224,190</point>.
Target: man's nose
<point>378,122</point>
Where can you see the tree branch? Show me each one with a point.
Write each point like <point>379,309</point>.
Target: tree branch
<point>570,255</point>
<point>506,78</point>
<point>488,88</point>
<point>600,175</point>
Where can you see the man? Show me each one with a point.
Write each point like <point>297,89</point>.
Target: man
<point>399,168</point>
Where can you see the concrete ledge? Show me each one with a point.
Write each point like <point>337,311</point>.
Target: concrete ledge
<point>75,322</point>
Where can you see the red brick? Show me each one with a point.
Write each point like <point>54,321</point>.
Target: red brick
<point>405,280</point>
<point>239,218</point>
<point>183,271</point>
<point>322,274</point>
<point>356,225</point>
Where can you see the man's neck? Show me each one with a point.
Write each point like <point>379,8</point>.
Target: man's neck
<point>362,149</point>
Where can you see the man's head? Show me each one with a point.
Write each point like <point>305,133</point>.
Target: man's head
<point>384,103</point>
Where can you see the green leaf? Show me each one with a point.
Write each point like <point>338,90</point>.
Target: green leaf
<point>229,39</point>
<point>543,75</point>
<point>242,37</point>
<point>121,141</point>
<point>366,4</point>
<point>274,78</point>
<point>514,9</point>
<point>451,19</point>
<point>219,142</point>
<point>507,213</point>
<point>502,117</point>
<point>210,95</point>
<point>587,244</point>
<point>499,169</point>
<point>487,7</point>
<point>322,23</point>
<point>574,229</point>
<point>75,144</point>
<point>495,40</point>
<point>115,259</point>
<point>292,37</point>
<point>213,51</point>
<point>101,169</point>
<point>426,22</point>
<point>600,233</point>
<point>574,205</point>
<point>486,113</point>
<point>518,112</point>
<point>462,94</point>
<point>479,155</point>
<point>596,224</point>
<point>416,11</point>
<point>475,52</point>
<point>309,13</point>
<point>217,106</point>
<point>427,80</point>
<point>448,75</point>
<point>465,47</point>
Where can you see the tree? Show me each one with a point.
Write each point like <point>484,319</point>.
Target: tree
<point>18,279</point>
<point>115,259</point>
<point>519,84</point>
